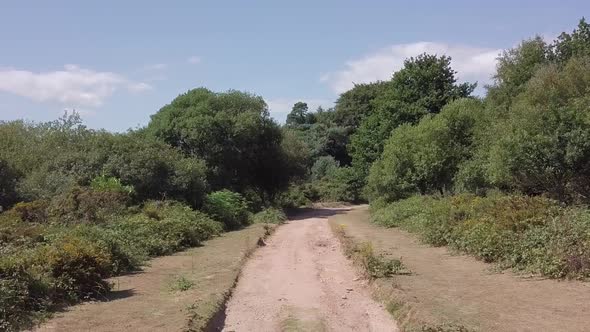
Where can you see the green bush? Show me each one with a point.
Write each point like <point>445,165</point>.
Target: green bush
<point>298,195</point>
<point>270,216</point>
<point>110,184</point>
<point>69,263</point>
<point>530,234</point>
<point>228,207</point>
<point>85,205</point>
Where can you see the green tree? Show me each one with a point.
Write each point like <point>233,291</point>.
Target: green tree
<point>423,86</point>
<point>424,158</point>
<point>232,132</point>
<point>515,67</point>
<point>299,115</point>
<point>576,44</point>
<point>354,105</point>
<point>542,146</point>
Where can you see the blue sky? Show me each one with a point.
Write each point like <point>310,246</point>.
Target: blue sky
<point>118,62</point>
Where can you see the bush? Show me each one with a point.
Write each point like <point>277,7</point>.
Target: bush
<point>85,205</point>
<point>298,195</point>
<point>228,207</point>
<point>530,234</point>
<point>69,263</point>
<point>110,184</point>
<point>424,158</point>
<point>270,216</point>
<point>35,211</point>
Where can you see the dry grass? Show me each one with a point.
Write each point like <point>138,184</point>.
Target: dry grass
<point>451,292</point>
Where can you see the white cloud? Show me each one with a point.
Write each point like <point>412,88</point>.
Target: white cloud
<point>280,107</point>
<point>72,87</point>
<point>193,60</point>
<point>471,63</point>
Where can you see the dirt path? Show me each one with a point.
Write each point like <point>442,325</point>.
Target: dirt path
<point>302,282</point>
<point>147,301</point>
<point>456,288</point>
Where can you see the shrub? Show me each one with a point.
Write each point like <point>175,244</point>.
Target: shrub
<point>270,216</point>
<point>530,234</point>
<point>35,211</point>
<point>85,205</point>
<point>110,184</point>
<point>298,195</point>
<point>228,207</point>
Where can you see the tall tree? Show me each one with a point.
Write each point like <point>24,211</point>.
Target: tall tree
<point>423,86</point>
<point>232,132</point>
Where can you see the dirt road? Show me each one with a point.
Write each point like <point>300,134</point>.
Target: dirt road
<point>301,281</point>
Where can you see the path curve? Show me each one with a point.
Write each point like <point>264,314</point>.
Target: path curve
<point>301,281</point>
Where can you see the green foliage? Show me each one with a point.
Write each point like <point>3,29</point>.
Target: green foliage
<point>298,195</point>
<point>300,116</point>
<point>323,166</point>
<point>232,132</point>
<point>228,207</point>
<point>377,266</point>
<point>425,158</point>
<point>181,284</point>
<point>541,144</point>
<point>67,264</point>
<point>270,216</point>
<point>529,234</point>
<point>104,183</point>
<point>342,184</point>
<point>354,105</point>
<point>84,205</point>
<point>8,181</point>
<point>423,86</point>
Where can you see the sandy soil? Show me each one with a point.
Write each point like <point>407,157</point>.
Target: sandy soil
<point>444,287</point>
<point>144,301</point>
<point>301,281</point>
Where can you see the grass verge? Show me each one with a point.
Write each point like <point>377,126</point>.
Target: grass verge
<point>381,271</point>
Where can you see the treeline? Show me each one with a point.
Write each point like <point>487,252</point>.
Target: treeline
<point>505,177</point>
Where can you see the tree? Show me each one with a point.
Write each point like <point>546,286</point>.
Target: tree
<point>542,145</point>
<point>354,105</point>
<point>299,115</point>
<point>423,86</point>
<point>424,158</point>
<point>232,132</point>
<point>515,67</point>
<point>576,44</point>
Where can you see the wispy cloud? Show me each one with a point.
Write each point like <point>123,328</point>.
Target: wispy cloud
<point>280,107</point>
<point>471,63</point>
<point>193,60</point>
<point>72,87</point>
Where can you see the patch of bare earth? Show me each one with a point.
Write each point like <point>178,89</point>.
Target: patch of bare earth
<point>447,288</point>
<point>301,281</point>
<point>174,293</point>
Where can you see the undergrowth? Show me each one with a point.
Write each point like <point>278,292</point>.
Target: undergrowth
<point>46,264</point>
<point>528,234</point>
